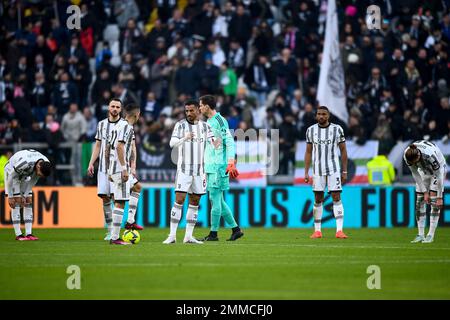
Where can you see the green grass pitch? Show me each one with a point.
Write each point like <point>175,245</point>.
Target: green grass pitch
<point>265,264</point>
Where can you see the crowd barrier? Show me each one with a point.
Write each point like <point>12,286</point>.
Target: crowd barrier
<point>275,206</point>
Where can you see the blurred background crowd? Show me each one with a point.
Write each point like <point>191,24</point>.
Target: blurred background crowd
<point>260,57</point>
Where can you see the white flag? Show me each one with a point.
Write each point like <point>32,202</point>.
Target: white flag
<point>331,91</point>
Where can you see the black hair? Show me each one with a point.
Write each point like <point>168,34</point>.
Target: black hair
<point>116,99</point>
<point>46,168</point>
<point>191,102</point>
<point>130,108</point>
<point>323,108</point>
<point>209,100</point>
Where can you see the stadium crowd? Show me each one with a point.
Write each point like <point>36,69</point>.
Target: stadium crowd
<point>260,57</point>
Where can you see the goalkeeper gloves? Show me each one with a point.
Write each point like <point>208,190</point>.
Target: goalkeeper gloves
<point>231,170</point>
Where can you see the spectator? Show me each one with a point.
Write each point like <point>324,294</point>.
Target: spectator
<point>240,26</point>
<point>288,139</point>
<point>236,58</point>
<point>259,79</point>
<point>73,125</point>
<point>65,93</point>
<point>228,81</point>
<point>36,134</point>
<point>160,72</point>
<point>286,72</point>
<point>151,107</point>
<point>91,124</point>
<point>124,10</point>
<point>130,39</point>
<point>209,76</point>
<point>40,97</point>
<point>186,78</point>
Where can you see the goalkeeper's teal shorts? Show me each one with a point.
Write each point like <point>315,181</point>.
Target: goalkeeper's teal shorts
<point>217,181</point>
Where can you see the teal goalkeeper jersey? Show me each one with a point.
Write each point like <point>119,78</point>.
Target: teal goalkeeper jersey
<point>216,159</point>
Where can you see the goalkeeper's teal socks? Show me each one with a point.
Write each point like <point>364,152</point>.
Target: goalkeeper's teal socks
<point>216,208</point>
<point>227,214</point>
<point>220,208</point>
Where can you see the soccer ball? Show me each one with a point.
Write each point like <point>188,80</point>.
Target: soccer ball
<point>132,236</point>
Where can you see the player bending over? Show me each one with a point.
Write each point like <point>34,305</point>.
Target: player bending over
<point>119,159</point>
<point>323,140</point>
<point>428,167</point>
<point>22,171</point>
<point>190,135</point>
<point>220,165</point>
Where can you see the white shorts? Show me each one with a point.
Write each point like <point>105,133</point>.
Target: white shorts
<point>333,182</point>
<point>121,191</point>
<point>190,184</point>
<point>18,188</point>
<point>430,183</point>
<point>103,184</point>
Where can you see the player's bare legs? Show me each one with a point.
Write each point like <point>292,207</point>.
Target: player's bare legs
<point>132,207</point>
<point>421,216</point>
<point>175,217</point>
<point>107,212</point>
<point>317,212</point>
<point>191,219</point>
<point>338,211</point>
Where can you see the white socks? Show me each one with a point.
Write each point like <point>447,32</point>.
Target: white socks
<point>15,217</point>
<point>422,219</point>
<point>338,211</point>
<point>317,212</point>
<point>434,217</point>
<point>191,220</point>
<point>28,218</point>
<point>117,217</point>
<point>175,217</point>
<point>132,207</point>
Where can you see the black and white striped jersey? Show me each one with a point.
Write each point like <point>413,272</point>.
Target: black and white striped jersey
<point>191,153</point>
<point>23,162</point>
<point>122,133</point>
<point>325,153</point>
<point>432,159</point>
<point>104,130</point>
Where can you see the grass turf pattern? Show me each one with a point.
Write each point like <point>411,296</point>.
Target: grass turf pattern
<point>264,264</point>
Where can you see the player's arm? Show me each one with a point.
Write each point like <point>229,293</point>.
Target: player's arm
<point>176,140</point>
<point>416,175</point>
<point>440,186</point>
<point>230,152</point>
<point>96,151</point>
<point>121,158</point>
<point>123,136</point>
<point>344,158</point>
<point>133,156</point>
<point>94,157</point>
<point>308,155</point>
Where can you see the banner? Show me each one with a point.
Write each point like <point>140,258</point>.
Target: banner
<point>331,90</point>
<point>277,206</point>
<point>155,165</point>
<point>60,207</point>
<point>251,159</point>
<point>358,156</point>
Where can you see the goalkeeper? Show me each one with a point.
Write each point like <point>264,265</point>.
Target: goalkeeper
<point>220,165</point>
